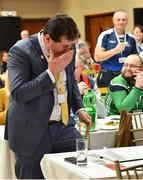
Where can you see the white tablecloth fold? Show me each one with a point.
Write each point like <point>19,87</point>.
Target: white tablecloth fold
<point>7,161</point>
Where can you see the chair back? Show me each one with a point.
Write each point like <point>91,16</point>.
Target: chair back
<point>124,135</point>
<point>131,127</point>
<point>130,172</point>
<point>137,128</point>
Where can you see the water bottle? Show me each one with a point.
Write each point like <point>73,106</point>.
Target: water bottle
<point>89,100</point>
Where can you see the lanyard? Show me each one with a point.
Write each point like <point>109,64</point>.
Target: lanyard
<point>59,85</point>
<point>117,37</point>
<point>118,40</point>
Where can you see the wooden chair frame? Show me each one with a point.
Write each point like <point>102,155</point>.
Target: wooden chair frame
<point>137,127</point>
<point>132,172</point>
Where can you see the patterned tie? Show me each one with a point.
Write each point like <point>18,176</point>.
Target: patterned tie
<point>62,99</point>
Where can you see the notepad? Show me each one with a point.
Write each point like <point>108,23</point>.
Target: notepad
<point>121,154</point>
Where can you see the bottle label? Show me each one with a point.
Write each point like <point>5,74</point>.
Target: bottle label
<point>89,100</point>
<point>93,118</point>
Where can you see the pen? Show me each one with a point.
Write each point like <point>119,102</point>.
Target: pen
<point>99,157</point>
<point>129,160</point>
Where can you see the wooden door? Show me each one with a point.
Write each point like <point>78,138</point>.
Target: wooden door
<point>33,25</point>
<point>94,25</point>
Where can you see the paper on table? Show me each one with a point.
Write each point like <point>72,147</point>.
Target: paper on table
<point>109,155</point>
<point>120,154</point>
<point>112,155</point>
<point>94,171</point>
<point>128,154</point>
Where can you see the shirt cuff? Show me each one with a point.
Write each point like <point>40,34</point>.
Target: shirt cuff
<point>82,109</point>
<point>51,75</point>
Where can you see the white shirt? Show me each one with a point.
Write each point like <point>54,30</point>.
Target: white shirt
<point>56,113</point>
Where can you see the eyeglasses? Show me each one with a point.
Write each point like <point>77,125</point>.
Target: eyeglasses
<point>133,66</point>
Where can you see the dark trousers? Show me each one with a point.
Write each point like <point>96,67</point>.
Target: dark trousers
<point>58,138</point>
<point>105,76</point>
<point>28,168</point>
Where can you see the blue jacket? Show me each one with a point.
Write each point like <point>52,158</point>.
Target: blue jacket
<point>108,41</point>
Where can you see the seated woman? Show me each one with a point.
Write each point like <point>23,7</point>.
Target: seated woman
<point>3,59</point>
<point>138,34</point>
<point>84,84</point>
<point>83,62</point>
<point>4,96</point>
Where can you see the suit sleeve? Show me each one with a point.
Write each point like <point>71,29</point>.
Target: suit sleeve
<point>20,69</point>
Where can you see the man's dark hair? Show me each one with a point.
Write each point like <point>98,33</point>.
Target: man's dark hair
<point>61,25</point>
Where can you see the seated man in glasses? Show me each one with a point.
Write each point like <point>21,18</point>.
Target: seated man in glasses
<point>126,90</point>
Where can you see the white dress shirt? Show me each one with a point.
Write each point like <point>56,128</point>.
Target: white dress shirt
<point>56,113</point>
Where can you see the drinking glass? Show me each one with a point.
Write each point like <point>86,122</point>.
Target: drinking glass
<point>81,152</point>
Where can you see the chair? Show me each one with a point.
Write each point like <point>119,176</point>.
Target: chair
<point>124,135</point>
<point>137,128</point>
<point>130,172</point>
<point>131,127</point>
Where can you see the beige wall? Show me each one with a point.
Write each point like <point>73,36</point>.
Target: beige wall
<point>76,8</point>
<point>31,8</point>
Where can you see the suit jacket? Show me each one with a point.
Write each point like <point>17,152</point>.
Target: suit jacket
<point>32,99</point>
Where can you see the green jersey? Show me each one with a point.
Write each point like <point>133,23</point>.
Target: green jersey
<point>123,95</point>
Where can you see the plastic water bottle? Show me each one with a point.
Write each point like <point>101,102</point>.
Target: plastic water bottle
<point>89,100</point>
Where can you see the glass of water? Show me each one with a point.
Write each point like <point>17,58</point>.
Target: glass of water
<point>81,152</point>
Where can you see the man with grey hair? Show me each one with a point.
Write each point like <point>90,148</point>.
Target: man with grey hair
<point>126,90</point>
<point>113,46</point>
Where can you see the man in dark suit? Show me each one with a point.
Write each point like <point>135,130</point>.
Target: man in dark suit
<point>34,121</point>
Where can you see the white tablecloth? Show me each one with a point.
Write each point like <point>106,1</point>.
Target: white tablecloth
<point>2,127</point>
<point>97,140</point>
<point>7,161</point>
<point>7,158</point>
<point>54,167</point>
<point>101,138</point>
